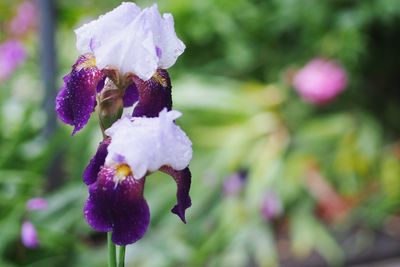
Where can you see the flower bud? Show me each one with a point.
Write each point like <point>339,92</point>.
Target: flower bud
<point>111,105</point>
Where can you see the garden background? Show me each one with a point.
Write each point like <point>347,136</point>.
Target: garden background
<point>277,181</point>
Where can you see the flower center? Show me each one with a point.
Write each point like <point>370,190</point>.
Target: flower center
<point>160,80</point>
<point>90,62</point>
<point>121,172</point>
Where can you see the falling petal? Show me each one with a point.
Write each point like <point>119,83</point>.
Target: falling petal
<point>118,207</point>
<point>93,168</point>
<point>183,180</point>
<point>131,212</point>
<point>154,95</point>
<point>77,98</point>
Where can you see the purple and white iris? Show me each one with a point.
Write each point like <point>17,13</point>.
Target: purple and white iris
<point>124,58</point>
<point>132,40</point>
<point>116,175</point>
<point>131,47</point>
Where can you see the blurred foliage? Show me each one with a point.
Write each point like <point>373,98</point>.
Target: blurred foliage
<point>241,114</point>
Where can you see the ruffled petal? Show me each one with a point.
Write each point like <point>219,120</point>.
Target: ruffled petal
<point>183,181</point>
<point>132,40</point>
<point>118,207</point>
<point>147,144</point>
<point>77,98</point>
<point>93,168</point>
<point>95,33</point>
<point>131,95</point>
<point>154,95</point>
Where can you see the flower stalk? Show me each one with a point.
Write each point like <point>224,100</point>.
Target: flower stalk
<point>121,256</point>
<point>110,110</point>
<point>112,258</point>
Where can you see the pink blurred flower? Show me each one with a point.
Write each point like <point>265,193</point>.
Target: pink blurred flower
<point>12,55</point>
<point>320,81</point>
<point>24,20</point>
<point>29,235</point>
<point>37,204</point>
<point>271,206</point>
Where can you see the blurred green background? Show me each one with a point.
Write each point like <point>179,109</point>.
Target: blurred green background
<point>333,171</point>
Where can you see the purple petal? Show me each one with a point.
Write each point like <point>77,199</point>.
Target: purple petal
<point>63,109</point>
<point>119,208</point>
<point>98,208</point>
<point>100,84</point>
<point>154,95</point>
<point>131,95</point>
<point>131,212</point>
<point>183,180</point>
<point>37,204</point>
<point>29,235</point>
<point>93,168</point>
<point>77,98</point>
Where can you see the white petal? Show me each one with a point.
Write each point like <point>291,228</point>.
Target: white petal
<point>133,52</point>
<point>147,144</point>
<point>171,46</point>
<point>92,35</point>
<point>132,40</point>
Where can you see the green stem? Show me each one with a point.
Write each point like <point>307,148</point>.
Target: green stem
<point>121,256</point>
<point>112,257</point>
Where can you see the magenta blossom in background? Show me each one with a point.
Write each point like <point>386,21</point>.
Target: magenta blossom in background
<point>12,55</point>
<point>24,20</point>
<point>271,206</point>
<point>37,204</point>
<point>320,81</point>
<point>28,235</point>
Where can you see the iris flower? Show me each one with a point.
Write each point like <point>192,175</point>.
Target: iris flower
<point>127,45</point>
<point>135,147</point>
<point>125,54</point>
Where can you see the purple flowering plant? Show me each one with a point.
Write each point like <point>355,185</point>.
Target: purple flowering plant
<point>29,235</point>
<point>12,56</point>
<point>125,55</point>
